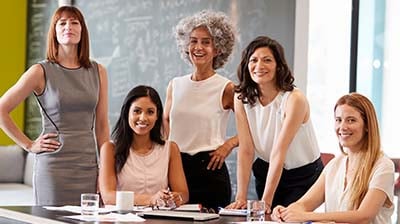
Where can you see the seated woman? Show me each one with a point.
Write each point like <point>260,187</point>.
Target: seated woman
<point>138,159</point>
<point>356,186</point>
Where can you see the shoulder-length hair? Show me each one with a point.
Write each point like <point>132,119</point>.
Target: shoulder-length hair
<point>248,89</point>
<point>219,27</point>
<point>122,133</point>
<point>371,145</point>
<point>83,45</point>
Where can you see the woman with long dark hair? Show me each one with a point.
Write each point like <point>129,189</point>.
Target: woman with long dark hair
<point>139,159</point>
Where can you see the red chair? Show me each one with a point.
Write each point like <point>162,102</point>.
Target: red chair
<point>326,157</point>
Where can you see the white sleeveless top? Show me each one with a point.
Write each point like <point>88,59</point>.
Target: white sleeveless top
<point>265,124</point>
<point>145,174</point>
<point>337,197</point>
<point>198,121</point>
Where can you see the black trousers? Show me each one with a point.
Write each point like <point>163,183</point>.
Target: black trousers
<point>293,184</point>
<point>211,188</point>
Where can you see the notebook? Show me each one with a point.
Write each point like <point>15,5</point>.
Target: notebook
<point>196,216</point>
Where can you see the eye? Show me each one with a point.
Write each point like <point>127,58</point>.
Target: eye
<point>351,120</point>
<point>136,111</point>
<point>253,60</point>
<point>151,112</point>
<point>338,120</point>
<point>206,42</point>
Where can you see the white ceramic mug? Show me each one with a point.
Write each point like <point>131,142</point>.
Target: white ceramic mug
<point>125,201</point>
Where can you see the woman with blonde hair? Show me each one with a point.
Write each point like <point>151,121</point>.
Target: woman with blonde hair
<point>359,183</point>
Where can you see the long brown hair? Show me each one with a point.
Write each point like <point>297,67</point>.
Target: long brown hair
<point>248,89</point>
<point>52,43</point>
<point>371,146</point>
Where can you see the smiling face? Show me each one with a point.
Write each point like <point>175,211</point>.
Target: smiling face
<point>201,48</point>
<point>142,115</point>
<point>262,66</point>
<point>350,128</point>
<point>68,30</point>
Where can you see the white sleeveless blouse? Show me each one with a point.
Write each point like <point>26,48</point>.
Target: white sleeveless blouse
<point>265,124</point>
<point>198,121</point>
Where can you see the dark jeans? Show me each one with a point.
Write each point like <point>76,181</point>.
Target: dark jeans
<point>293,184</point>
<point>211,188</point>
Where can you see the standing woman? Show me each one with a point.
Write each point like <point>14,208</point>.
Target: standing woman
<point>197,107</point>
<point>273,122</point>
<point>71,91</point>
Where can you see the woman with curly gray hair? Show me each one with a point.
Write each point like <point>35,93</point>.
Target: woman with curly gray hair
<point>197,107</point>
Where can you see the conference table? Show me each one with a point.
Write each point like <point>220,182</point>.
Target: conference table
<point>39,211</point>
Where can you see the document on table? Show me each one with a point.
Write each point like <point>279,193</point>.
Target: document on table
<point>111,217</point>
<point>106,209</point>
<point>233,212</point>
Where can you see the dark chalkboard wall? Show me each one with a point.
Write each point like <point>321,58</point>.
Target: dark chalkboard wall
<point>133,39</point>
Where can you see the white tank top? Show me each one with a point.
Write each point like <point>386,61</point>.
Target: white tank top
<point>145,174</point>
<point>265,124</point>
<point>198,121</point>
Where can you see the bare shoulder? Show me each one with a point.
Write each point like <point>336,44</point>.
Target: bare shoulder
<point>108,147</point>
<point>229,93</point>
<point>297,98</point>
<point>173,147</point>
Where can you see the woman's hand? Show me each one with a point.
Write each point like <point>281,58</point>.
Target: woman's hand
<point>276,213</point>
<point>45,143</point>
<point>289,214</point>
<point>238,204</point>
<point>218,157</point>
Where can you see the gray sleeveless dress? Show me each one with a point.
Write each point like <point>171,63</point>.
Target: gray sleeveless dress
<point>68,106</point>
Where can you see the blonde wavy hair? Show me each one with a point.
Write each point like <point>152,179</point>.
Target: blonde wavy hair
<point>371,147</point>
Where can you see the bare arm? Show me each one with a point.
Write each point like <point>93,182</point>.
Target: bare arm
<point>107,174</point>
<point>314,197</point>
<point>296,113</point>
<point>176,176</point>
<point>102,127</point>
<point>167,110</point>
<point>369,208</point>
<point>219,155</point>
<point>31,81</point>
<point>245,156</point>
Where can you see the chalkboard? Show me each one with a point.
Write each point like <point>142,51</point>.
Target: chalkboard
<point>133,39</point>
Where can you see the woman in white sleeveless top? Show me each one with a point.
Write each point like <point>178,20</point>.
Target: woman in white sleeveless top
<point>273,122</point>
<point>138,159</point>
<point>356,186</point>
<point>197,107</point>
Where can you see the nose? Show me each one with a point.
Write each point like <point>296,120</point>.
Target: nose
<point>198,46</point>
<point>143,116</point>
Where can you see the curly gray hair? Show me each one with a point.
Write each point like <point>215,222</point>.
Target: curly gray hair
<point>218,25</point>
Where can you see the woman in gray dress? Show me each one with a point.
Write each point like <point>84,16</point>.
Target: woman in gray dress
<point>71,91</point>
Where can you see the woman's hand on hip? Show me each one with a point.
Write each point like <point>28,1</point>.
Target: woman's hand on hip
<point>45,143</point>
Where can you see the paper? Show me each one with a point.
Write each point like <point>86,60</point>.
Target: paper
<point>77,209</point>
<point>111,217</point>
<point>233,212</point>
<point>106,209</point>
<point>189,207</point>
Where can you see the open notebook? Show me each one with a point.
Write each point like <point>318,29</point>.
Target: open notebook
<point>196,216</point>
